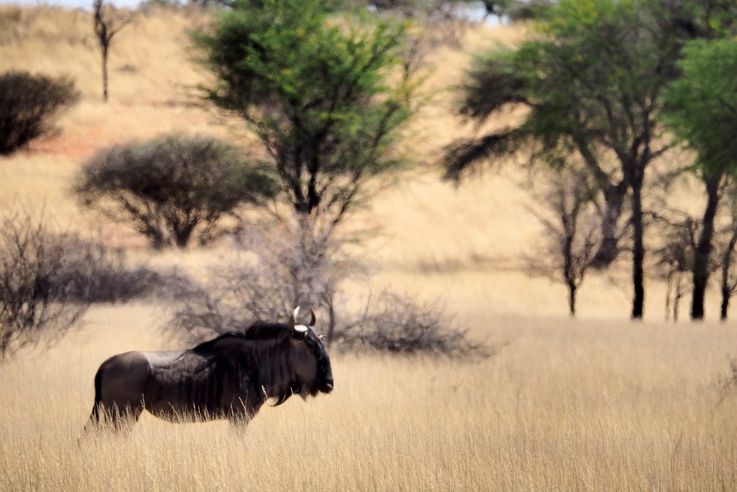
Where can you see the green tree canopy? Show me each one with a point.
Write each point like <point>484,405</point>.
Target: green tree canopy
<point>701,106</point>
<point>591,75</point>
<point>325,96</point>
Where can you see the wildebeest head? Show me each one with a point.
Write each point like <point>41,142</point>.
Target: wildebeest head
<point>309,358</point>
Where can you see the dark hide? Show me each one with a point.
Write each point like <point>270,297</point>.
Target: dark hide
<point>228,377</point>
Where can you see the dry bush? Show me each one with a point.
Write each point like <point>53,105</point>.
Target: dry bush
<point>398,324</point>
<point>48,279</point>
<point>34,300</point>
<point>572,224</point>
<point>674,258</point>
<point>28,104</point>
<point>280,267</point>
<point>298,267</point>
<point>101,274</point>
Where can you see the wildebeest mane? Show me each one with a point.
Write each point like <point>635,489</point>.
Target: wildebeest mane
<point>258,331</point>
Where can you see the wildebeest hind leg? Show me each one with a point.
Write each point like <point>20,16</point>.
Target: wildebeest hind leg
<point>114,416</point>
<point>125,415</point>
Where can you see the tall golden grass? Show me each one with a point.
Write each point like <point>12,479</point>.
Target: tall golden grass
<point>598,404</point>
<point>563,406</point>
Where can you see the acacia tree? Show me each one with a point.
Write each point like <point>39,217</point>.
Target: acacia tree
<point>702,111</point>
<point>316,94</point>
<point>173,186</point>
<point>591,76</point>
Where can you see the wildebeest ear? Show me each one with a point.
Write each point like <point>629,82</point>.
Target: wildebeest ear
<point>312,318</point>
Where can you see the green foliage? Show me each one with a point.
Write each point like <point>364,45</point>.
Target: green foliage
<point>592,74</point>
<point>28,104</point>
<point>172,185</point>
<point>703,18</point>
<point>315,91</point>
<point>701,106</point>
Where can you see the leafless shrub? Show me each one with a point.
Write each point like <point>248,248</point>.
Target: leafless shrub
<point>572,226</point>
<point>33,300</point>
<point>294,265</point>
<point>101,274</point>
<point>48,279</point>
<point>674,258</point>
<point>400,325</point>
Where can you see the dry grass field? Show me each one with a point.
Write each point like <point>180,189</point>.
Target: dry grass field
<point>564,406</point>
<point>599,403</point>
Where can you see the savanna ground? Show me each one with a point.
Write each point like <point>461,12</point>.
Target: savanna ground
<point>597,403</point>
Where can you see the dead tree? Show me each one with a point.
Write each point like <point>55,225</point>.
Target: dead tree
<point>108,22</point>
<point>675,259</point>
<point>572,226</point>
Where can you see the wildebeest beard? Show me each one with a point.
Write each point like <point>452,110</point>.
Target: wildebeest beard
<point>284,396</point>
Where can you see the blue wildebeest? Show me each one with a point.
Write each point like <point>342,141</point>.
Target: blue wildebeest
<point>228,377</point>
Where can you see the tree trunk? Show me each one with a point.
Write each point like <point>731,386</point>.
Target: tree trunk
<point>668,289</point>
<point>638,248</point>
<point>182,230</point>
<point>677,299</point>
<point>181,237</point>
<point>703,249</point>
<point>572,300</point>
<point>104,72</point>
<point>726,267</point>
<point>609,247</point>
<point>725,304</point>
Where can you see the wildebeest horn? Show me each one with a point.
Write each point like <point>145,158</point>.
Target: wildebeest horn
<point>312,318</point>
<point>293,318</point>
<point>293,322</point>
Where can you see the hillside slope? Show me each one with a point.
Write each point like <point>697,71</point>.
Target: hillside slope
<point>463,244</point>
